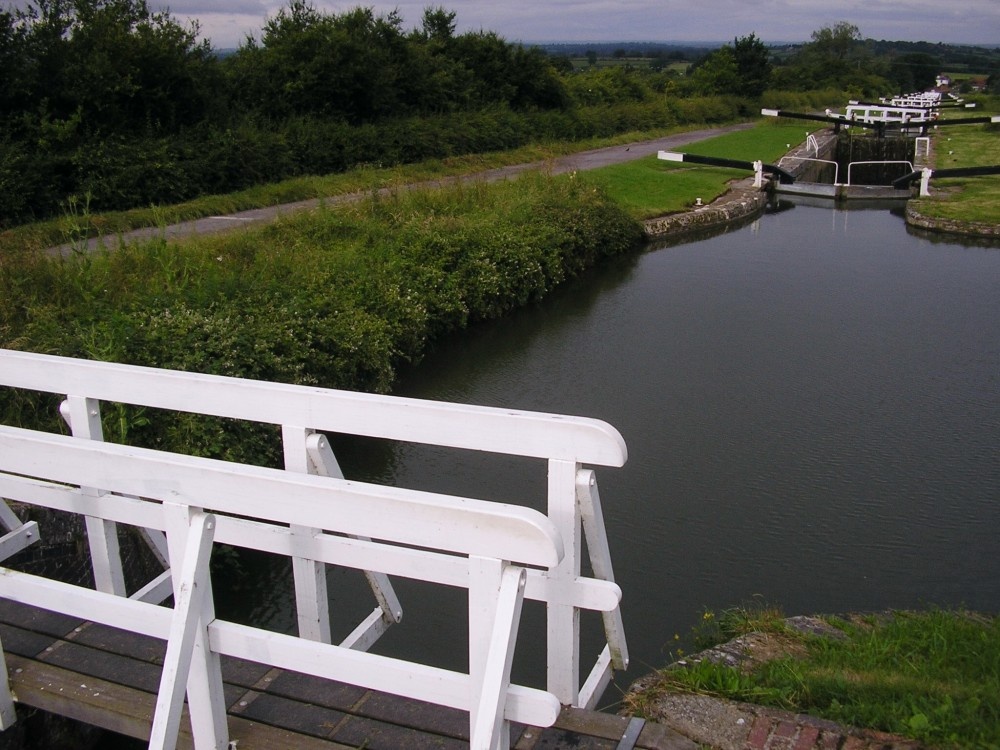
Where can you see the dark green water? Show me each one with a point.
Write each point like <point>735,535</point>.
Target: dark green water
<point>812,410</point>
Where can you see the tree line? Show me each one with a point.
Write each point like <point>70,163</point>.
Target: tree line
<point>109,105</point>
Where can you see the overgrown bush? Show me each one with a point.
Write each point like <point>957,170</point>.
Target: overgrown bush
<point>338,298</point>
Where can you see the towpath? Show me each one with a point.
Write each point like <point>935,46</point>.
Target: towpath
<point>580,161</point>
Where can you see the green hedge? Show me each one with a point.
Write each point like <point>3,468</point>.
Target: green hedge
<point>122,172</point>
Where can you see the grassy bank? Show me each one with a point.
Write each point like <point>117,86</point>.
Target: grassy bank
<point>931,676</point>
<point>337,297</point>
<point>972,199</point>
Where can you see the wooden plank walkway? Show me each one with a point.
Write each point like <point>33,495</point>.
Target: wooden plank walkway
<point>108,678</point>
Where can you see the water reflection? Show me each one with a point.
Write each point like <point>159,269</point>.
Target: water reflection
<point>811,405</point>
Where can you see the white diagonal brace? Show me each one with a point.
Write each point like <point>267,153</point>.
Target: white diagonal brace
<point>490,730</point>
<point>205,697</point>
<point>324,463</point>
<point>83,415</point>
<point>589,500</point>
<point>191,589</point>
<point>9,519</point>
<point>14,541</point>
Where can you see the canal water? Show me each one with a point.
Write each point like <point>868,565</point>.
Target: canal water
<point>812,410</point>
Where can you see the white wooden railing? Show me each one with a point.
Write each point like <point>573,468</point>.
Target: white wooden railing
<point>501,552</point>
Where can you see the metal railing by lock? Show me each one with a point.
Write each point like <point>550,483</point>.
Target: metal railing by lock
<point>501,552</point>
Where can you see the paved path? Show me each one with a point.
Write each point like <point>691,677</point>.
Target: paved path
<point>583,160</point>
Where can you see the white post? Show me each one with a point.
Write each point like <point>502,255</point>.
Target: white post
<point>84,418</point>
<point>563,624</point>
<point>194,593</point>
<point>496,595</point>
<point>310,576</point>
<point>758,174</point>
<point>925,182</point>
<point>206,701</point>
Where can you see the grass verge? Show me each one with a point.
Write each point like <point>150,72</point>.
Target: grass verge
<point>649,187</point>
<point>931,676</point>
<point>971,199</point>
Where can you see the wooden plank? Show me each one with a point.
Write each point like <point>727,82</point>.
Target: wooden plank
<point>24,642</point>
<point>372,735</point>
<point>38,620</point>
<point>303,718</point>
<point>449,722</point>
<point>91,700</point>
<point>322,709</point>
<point>327,693</point>
<point>127,711</point>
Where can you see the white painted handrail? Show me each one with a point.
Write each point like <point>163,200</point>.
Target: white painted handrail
<point>435,538</point>
<point>518,433</point>
<point>176,492</point>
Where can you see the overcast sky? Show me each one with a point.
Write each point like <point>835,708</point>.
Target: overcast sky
<point>227,22</point>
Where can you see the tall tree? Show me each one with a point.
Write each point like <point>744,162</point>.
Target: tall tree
<point>753,65</point>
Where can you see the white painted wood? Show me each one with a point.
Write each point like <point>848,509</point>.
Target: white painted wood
<point>193,589</point>
<point>589,501</point>
<point>8,715</point>
<point>585,593</point>
<point>84,418</point>
<point>490,731</point>
<point>324,463</point>
<point>374,671</point>
<point>431,520</point>
<point>58,496</point>
<point>563,619</point>
<point>19,534</point>
<point>205,698</point>
<point>9,519</point>
<point>518,433</point>
<point>368,631</point>
<point>597,681</point>
<point>311,514</point>
<point>309,576</point>
<point>127,614</point>
<point>14,541</point>
<point>156,591</point>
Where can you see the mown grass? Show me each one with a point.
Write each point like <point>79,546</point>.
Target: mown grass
<point>651,187</point>
<point>932,676</point>
<point>972,199</point>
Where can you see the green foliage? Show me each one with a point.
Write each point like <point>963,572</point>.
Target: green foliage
<point>837,57</point>
<point>334,298</point>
